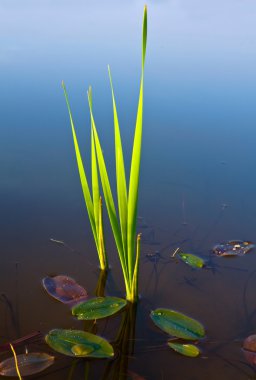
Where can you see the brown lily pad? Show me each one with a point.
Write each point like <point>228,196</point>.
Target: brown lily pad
<point>249,349</point>
<point>65,289</point>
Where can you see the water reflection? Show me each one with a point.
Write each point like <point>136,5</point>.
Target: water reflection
<point>123,345</point>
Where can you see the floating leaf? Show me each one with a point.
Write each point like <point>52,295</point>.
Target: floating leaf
<point>64,289</point>
<point>250,357</point>
<point>192,260</point>
<point>249,349</point>
<point>99,307</point>
<point>233,248</point>
<point>185,349</point>
<point>79,343</point>
<point>250,343</point>
<point>28,364</point>
<point>177,324</point>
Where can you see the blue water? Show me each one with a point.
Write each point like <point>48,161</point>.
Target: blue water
<point>198,181</point>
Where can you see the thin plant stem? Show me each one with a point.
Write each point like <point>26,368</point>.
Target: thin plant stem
<point>16,362</point>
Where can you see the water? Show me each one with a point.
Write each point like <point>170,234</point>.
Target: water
<point>197,175</point>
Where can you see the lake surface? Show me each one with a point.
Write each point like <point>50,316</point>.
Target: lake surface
<point>198,180</point>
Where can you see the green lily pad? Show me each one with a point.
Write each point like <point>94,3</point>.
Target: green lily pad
<point>177,324</point>
<point>100,307</point>
<point>79,344</point>
<point>185,349</point>
<point>192,260</point>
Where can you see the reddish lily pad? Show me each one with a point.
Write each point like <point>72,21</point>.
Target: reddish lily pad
<point>65,289</point>
<point>28,364</point>
<point>249,349</point>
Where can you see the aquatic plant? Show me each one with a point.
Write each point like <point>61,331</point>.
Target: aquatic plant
<point>177,324</point>
<point>97,308</point>
<point>78,343</point>
<point>93,203</point>
<point>124,227</point>
<point>26,364</point>
<point>124,231</point>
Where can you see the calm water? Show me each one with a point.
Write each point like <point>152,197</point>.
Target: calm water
<point>198,181</point>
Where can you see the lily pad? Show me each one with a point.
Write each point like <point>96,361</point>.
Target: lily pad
<point>177,324</point>
<point>100,307</point>
<point>28,364</point>
<point>78,343</point>
<point>192,260</point>
<point>233,248</point>
<point>185,349</point>
<point>64,289</point>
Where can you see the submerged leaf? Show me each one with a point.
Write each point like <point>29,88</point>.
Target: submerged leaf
<point>79,344</point>
<point>64,289</point>
<point>192,260</point>
<point>185,349</point>
<point>99,307</point>
<point>177,324</point>
<point>28,364</point>
<point>233,248</point>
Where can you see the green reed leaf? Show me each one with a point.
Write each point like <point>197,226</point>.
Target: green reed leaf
<point>107,190</point>
<point>135,163</point>
<point>97,203</point>
<point>134,292</point>
<point>101,241</point>
<point>120,174</point>
<point>82,175</point>
<point>95,184</point>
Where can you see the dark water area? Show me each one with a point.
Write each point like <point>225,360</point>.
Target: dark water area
<point>198,180</point>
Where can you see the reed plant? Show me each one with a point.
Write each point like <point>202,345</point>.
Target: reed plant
<point>124,223</point>
<point>93,202</point>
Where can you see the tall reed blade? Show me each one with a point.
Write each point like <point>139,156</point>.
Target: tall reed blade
<point>97,204</point>
<point>83,179</point>
<point>92,205</point>
<point>135,279</point>
<point>101,241</point>
<point>120,173</point>
<point>135,163</point>
<point>95,184</point>
<point>107,191</point>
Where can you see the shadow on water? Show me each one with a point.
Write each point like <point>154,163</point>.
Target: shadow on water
<point>12,308</point>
